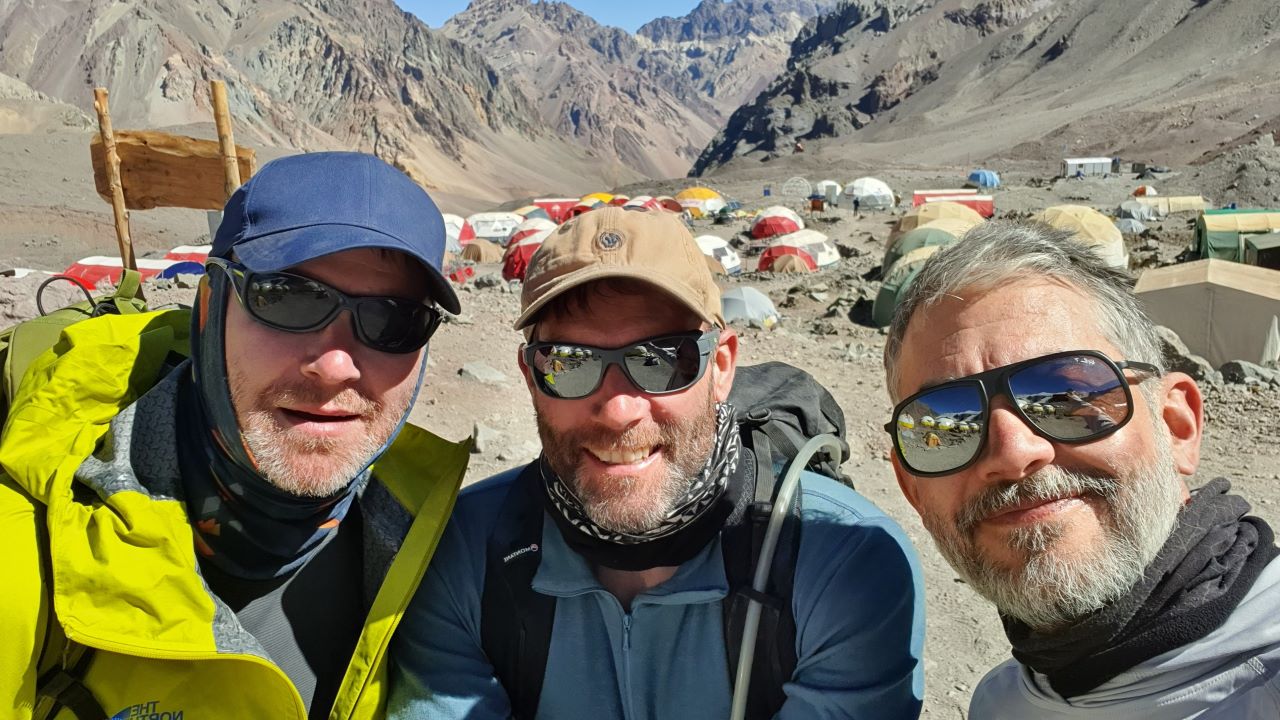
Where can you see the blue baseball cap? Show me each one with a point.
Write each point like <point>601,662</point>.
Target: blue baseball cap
<point>303,207</point>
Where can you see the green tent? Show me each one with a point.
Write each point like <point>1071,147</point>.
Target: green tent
<point>918,238</point>
<point>1220,234</point>
<point>897,280</point>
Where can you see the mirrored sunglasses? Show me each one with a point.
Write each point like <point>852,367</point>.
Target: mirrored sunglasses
<point>299,304</point>
<point>1071,397</point>
<point>657,366</point>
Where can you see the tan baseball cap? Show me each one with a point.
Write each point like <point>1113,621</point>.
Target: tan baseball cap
<point>651,246</point>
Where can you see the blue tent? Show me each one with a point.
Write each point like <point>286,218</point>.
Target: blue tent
<point>984,178</point>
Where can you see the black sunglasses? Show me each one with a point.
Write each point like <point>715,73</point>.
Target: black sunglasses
<point>298,304</point>
<point>1073,397</point>
<point>657,366</point>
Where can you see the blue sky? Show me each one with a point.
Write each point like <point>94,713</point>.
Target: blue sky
<point>628,16</point>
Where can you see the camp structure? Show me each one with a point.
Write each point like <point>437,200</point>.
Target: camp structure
<point>700,202</point>
<point>1091,228</point>
<point>714,266</point>
<point>89,272</point>
<point>897,280</point>
<point>648,202</point>
<point>1221,310</point>
<point>748,306</point>
<point>556,208</point>
<point>603,197</point>
<point>919,197</point>
<point>1129,226</point>
<point>1168,205</point>
<point>529,212</point>
<point>786,264</point>
<point>585,205</point>
<point>515,261</point>
<point>494,226</point>
<point>870,194</point>
<point>620,200</point>
<point>826,188</point>
<point>482,251</point>
<point>797,187</point>
<point>189,253</point>
<point>670,204</point>
<point>1073,167</point>
<point>1144,191</point>
<point>1221,234</point>
<point>985,179</point>
<point>719,249</point>
<point>812,248</point>
<point>1263,250</point>
<point>929,212</point>
<point>457,232</point>
<point>1135,210</point>
<point>938,232</point>
<point>984,205</point>
<point>530,227</point>
<point>775,220</point>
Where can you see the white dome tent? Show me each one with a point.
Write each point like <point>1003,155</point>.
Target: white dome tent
<point>870,194</point>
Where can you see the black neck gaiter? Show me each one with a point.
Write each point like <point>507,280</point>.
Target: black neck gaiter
<point>688,528</point>
<point>1206,567</point>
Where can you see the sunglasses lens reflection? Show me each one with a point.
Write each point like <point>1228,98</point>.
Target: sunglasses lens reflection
<point>565,371</point>
<point>1073,397</point>
<point>941,430</point>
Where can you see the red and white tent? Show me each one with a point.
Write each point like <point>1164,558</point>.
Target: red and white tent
<point>812,247</point>
<point>531,227</point>
<point>984,205</point>
<point>515,262</point>
<point>584,206</point>
<point>189,253</point>
<point>93,270</point>
<point>557,208</point>
<point>648,202</point>
<point>919,197</point>
<point>458,232</point>
<point>775,220</point>
<point>494,226</point>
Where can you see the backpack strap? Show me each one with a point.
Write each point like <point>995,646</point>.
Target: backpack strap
<point>740,541</point>
<point>516,620</point>
<point>62,687</point>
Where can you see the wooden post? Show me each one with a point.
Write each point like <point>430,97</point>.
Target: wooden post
<point>222,118</point>
<point>113,179</point>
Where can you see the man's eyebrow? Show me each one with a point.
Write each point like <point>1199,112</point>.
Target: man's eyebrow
<point>933,382</point>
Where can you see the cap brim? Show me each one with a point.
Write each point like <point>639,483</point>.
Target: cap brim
<point>283,250</point>
<point>591,273</point>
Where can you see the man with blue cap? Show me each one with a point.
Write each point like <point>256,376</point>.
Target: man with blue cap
<point>209,536</point>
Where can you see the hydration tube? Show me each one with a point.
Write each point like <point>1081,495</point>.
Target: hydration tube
<point>781,506</point>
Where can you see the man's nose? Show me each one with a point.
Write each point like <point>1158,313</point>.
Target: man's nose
<point>331,353</point>
<point>1014,451</point>
<point>619,403</point>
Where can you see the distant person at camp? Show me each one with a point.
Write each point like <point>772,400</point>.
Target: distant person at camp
<point>799,147</point>
<point>192,525</point>
<point>609,577</point>
<point>1065,500</point>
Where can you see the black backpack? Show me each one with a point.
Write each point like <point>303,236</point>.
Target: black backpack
<point>779,408</point>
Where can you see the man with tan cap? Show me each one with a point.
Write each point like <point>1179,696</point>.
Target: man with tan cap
<point>605,579</point>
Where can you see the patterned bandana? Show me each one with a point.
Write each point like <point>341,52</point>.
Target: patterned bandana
<point>702,494</point>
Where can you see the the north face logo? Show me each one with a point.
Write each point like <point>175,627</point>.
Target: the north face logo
<point>147,711</point>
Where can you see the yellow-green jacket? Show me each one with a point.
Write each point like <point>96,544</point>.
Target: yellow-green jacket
<point>110,565</point>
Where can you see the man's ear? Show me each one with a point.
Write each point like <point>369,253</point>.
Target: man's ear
<point>1182,411</point>
<point>906,482</point>
<point>724,361</point>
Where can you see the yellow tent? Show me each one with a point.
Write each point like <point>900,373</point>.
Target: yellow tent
<point>1175,203</point>
<point>700,201</point>
<point>603,197</point>
<point>698,193</point>
<point>928,212</point>
<point>1093,229</point>
<point>790,264</point>
<point>482,251</point>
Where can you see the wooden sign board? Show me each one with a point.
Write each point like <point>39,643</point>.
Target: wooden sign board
<point>162,170</point>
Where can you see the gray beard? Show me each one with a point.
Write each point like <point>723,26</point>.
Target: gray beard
<point>1053,588</point>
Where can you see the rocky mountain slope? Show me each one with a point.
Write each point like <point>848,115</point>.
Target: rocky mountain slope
<point>307,74</point>
<point>953,80</point>
<point>652,100</point>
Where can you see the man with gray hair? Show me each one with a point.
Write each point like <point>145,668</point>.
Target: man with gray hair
<point>1061,495</point>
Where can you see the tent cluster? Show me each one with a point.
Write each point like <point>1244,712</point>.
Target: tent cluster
<point>927,228</point>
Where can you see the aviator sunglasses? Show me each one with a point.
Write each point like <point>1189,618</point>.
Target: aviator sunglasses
<point>1071,397</point>
<point>298,304</point>
<point>657,366</point>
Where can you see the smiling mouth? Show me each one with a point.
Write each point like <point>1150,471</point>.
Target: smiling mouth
<point>622,456</point>
<point>304,416</point>
<point>1033,510</point>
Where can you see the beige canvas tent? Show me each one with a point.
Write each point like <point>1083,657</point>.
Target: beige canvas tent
<point>482,251</point>
<point>1221,309</point>
<point>929,212</point>
<point>1174,204</point>
<point>1092,229</point>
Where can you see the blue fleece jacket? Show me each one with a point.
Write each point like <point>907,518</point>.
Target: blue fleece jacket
<point>858,602</point>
